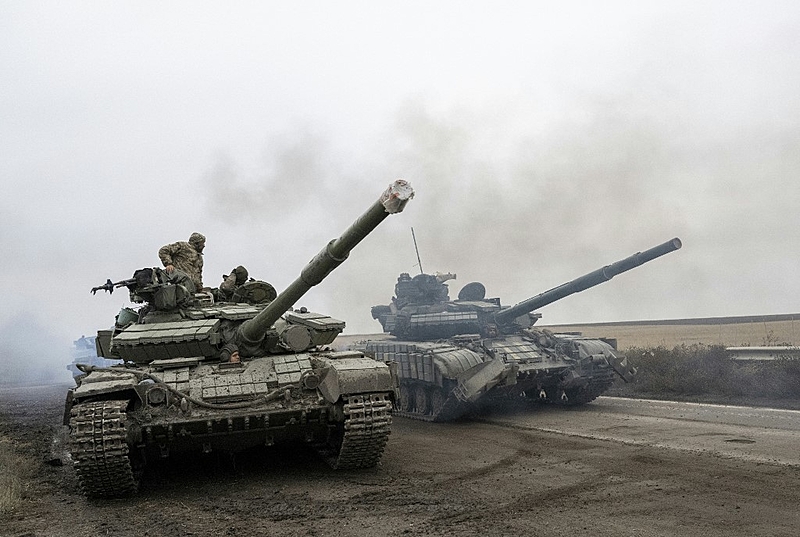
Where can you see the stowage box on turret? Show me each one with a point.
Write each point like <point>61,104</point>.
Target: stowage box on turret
<point>199,375</point>
<point>454,355</point>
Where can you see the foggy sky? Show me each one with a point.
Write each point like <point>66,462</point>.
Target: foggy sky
<point>542,141</point>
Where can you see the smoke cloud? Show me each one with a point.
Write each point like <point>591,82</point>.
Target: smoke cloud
<point>32,353</point>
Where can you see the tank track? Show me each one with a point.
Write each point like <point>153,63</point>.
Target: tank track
<point>589,393</point>
<point>447,408</point>
<point>99,449</point>
<point>414,415</point>
<point>366,428</point>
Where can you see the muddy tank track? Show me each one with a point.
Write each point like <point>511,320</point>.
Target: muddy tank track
<point>429,403</point>
<point>367,423</point>
<point>99,449</point>
<point>587,394</point>
<point>596,387</point>
<point>415,415</point>
<point>426,403</point>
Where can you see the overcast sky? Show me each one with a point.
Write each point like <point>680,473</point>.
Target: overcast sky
<point>543,140</point>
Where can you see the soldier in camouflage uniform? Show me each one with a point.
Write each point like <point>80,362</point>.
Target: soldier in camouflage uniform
<point>186,257</point>
<point>230,283</point>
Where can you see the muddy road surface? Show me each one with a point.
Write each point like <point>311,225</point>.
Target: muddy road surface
<point>612,468</point>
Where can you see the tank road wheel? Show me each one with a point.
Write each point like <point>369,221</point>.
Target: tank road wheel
<point>99,449</point>
<point>406,401</point>
<point>358,442</point>
<point>421,399</point>
<point>437,401</point>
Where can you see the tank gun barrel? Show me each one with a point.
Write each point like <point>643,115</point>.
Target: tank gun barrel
<point>393,200</point>
<point>586,281</point>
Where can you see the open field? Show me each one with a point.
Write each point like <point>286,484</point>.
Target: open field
<point>725,331</point>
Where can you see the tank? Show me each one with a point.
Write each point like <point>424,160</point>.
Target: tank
<point>455,355</point>
<point>199,375</point>
<point>84,351</point>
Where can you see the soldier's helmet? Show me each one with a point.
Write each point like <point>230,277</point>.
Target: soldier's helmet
<point>197,240</point>
<point>241,274</point>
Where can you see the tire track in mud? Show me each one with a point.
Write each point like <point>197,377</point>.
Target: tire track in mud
<point>733,436</point>
<point>444,501</point>
<point>464,479</point>
<point>511,491</point>
<point>454,502</point>
<point>485,471</point>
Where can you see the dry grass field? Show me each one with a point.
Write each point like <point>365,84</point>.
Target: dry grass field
<point>727,331</point>
<point>15,472</point>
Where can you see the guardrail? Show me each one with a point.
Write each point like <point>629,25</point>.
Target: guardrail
<point>765,353</point>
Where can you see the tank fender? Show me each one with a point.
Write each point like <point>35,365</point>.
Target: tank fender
<point>104,382</point>
<point>479,379</point>
<point>622,367</point>
<point>346,373</point>
<point>595,349</point>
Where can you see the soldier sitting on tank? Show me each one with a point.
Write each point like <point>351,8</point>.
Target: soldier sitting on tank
<point>185,256</point>
<point>230,283</point>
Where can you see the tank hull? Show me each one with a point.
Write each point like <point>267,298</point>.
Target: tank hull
<point>120,417</point>
<point>441,381</point>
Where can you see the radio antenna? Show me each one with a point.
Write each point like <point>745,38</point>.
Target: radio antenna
<point>419,262</point>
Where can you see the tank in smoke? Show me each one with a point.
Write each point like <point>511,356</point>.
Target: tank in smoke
<point>84,351</point>
<point>199,375</point>
<point>456,354</point>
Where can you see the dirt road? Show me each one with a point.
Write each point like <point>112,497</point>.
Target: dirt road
<point>604,470</point>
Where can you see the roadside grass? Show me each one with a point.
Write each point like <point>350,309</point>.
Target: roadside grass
<point>708,373</point>
<point>15,473</point>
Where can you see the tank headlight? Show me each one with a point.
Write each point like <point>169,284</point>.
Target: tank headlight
<point>156,396</point>
<point>311,381</point>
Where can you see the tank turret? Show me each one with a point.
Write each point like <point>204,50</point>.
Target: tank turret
<point>454,354</point>
<point>422,309</point>
<point>201,375</point>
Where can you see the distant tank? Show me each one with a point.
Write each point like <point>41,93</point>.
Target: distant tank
<point>456,354</point>
<point>84,351</point>
<point>202,376</point>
